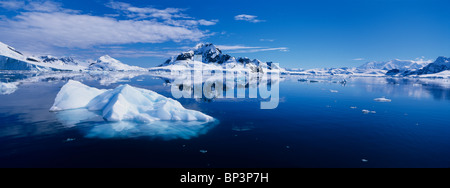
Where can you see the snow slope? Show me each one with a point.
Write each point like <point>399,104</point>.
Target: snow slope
<point>12,59</point>
<point>107,63</point>
<point>125,103</point>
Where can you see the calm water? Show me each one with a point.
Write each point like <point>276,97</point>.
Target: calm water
<point>312,127</point>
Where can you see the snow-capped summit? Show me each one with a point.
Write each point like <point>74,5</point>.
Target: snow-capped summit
<point>107,63</point>
<point>213,58</point>
<point>209,52</point>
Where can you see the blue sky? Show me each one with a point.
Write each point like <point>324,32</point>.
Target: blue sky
<point>304,34</point>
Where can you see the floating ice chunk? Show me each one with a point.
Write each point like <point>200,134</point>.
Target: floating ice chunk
<point>334,91</point>
<point>7,88</point>
<point>204,151</point>
<point>382,100</point>
<point>70,139</point>
<point>364,160</point>
<point>368,112</point>
<point>74,95</point>
<point>125,103</point>
<point>354,107</point>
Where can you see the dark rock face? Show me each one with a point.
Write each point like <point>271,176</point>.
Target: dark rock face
<point>65,60</point>
<point>393,72</point>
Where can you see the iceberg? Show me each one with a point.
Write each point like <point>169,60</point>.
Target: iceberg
<point>7,88</point>
<point>368,112</point>
<point>74,95</point>
<point>334,91</point>
<point>124,103</point>
<point>383,99</point>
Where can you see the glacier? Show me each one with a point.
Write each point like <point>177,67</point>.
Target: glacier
<point>124,103</point>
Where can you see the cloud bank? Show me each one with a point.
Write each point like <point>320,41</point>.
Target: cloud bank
<point>50,24</point>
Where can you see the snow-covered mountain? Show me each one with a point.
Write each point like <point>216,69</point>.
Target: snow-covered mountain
<point>213,58</point>
<point>107,63</point>
<point>441,64</point>
<point>12,59</point>
<point>396,64</point>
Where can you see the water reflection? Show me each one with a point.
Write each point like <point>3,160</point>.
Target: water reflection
<point>94,126</point>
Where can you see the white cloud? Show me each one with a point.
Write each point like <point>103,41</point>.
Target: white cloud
<point>249,49</point>
<point>49,24</point>
<point>359,59</point>
<point>248,18</point>
<point>147,12</point>
<point>267,40</point>
<point>12,4</point>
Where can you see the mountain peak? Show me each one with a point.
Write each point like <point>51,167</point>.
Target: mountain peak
<point>441,64</point>
<point>107,63</point>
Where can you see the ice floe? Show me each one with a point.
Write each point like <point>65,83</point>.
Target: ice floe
<point>383,99</point>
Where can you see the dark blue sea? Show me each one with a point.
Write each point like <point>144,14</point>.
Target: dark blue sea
<point>319,123</point>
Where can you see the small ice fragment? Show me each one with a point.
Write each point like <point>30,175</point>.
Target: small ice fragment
<point>364,160</point>
<point>353,107</point>
<point>70,139</point>
<point>382,100</point>
<point>368,112</point>
<point>204,151</point>
<point>334,91</point>
<point>7,88</point>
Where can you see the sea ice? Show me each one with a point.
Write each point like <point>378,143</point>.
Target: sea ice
<point>382,100</point>
<point>7,88</point>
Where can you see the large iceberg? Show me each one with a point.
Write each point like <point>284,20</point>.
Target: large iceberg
<point>74,95</point>
<point>124,103</point>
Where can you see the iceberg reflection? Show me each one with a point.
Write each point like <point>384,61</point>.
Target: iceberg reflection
<point>94,126</point>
